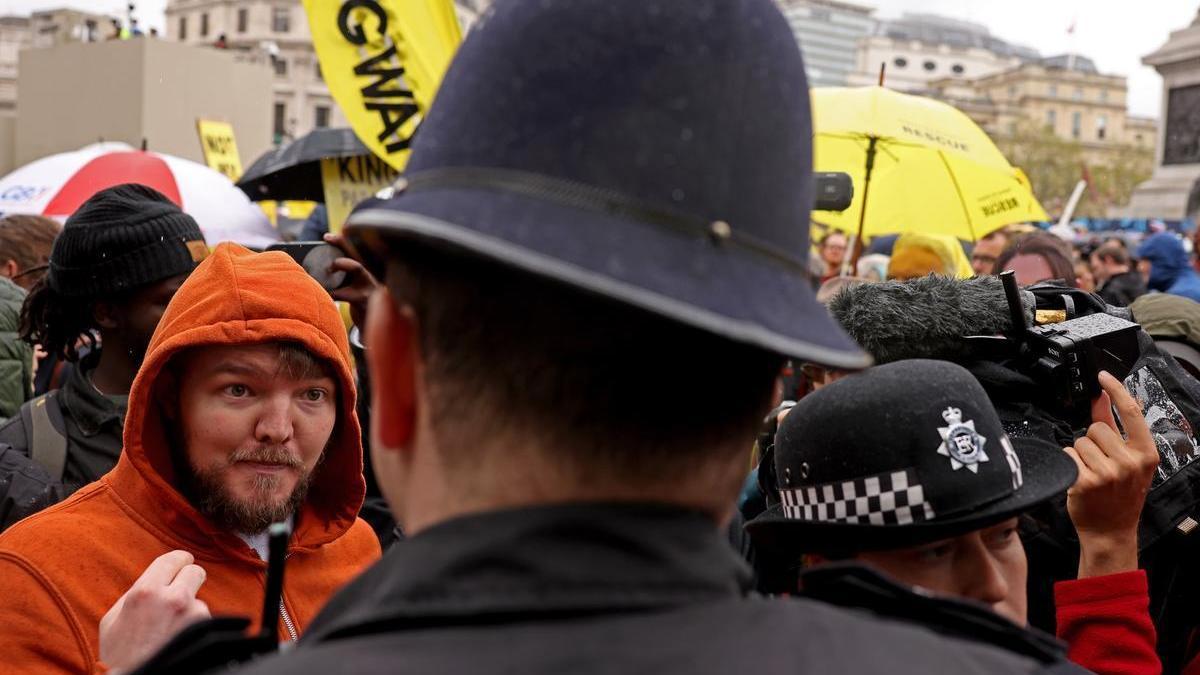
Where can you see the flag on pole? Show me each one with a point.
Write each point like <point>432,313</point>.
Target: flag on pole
<point>383,61</point>
<point>1071,37</point>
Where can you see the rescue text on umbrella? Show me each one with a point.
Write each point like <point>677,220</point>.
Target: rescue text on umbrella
<point>936,138</point>
<point>1000,206</point>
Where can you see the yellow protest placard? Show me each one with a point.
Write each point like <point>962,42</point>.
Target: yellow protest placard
<point>383,61</point>
<point>348,181</point>
<point>220,148</point>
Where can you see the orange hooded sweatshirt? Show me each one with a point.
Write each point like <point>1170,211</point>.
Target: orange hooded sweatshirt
<point>63,568</point>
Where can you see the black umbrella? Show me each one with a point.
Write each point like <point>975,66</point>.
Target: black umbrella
<point>293,171</point>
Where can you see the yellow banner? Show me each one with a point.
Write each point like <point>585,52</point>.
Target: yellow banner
<point>220,148</point>
<point>291,209</point>
<point>348,181</point>
<point>383,61</point>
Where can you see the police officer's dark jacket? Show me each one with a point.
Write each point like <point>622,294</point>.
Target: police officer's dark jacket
<point>601,589</point>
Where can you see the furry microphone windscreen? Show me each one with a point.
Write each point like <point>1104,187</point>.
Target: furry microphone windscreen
<point>924,318</point>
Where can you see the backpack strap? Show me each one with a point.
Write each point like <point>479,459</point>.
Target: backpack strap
<point>47,442</point>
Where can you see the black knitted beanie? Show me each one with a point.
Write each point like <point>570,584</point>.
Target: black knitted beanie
<point>122,238</point>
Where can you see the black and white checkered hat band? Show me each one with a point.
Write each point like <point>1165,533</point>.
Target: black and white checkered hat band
<point>893,498</point>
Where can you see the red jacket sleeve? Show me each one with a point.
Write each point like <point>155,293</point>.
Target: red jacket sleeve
<point>1106,624</point>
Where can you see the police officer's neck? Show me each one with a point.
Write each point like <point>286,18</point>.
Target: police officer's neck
<point>511,478</point>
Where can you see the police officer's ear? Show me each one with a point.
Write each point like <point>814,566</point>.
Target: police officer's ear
<point>393,355</point>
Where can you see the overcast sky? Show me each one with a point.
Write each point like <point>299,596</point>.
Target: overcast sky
<point>1115,34</point>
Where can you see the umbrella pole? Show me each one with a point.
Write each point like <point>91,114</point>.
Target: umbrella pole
<point>854,252</point>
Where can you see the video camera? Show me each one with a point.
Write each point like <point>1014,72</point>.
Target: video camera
<point>1037,353</point>
<point>834,191</point>
<point>1067,355</point>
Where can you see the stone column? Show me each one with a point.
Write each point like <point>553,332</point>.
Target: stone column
<point>1166,194</point>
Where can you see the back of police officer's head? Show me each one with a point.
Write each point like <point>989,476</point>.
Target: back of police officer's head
<point>494,388</point>
<point>532,393</point>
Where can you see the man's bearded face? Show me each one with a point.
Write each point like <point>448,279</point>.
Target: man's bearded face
<point>255,423</point>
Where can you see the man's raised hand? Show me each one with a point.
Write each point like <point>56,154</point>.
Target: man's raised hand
<point>160,604</point>
<point>1106,501</point>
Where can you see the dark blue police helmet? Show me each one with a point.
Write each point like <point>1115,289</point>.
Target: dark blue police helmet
<point>656,152</point>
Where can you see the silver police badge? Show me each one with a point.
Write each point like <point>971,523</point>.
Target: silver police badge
<point>960,442</point>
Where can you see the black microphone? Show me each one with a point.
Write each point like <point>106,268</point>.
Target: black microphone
<point>926,318</point>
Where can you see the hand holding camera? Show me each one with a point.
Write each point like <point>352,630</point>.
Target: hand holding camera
<point>331,265</point>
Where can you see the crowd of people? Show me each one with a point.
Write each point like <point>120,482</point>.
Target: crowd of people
<point>614,427</point>
<point>1128,270</point>
<point>1119,268</point>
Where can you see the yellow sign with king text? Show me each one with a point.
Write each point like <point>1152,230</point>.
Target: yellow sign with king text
<point>383,61</point>
<point>348,181</point>
<point>220,148</point>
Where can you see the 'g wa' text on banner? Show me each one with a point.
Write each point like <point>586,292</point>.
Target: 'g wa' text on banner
<point>383,61</point>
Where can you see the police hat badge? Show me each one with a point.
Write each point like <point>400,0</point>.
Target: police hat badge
<point>960,442</point>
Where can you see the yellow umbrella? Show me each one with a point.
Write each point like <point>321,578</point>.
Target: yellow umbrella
<point>918,165</point>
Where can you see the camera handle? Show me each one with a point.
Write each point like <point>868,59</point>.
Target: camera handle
<point>1016,311</point>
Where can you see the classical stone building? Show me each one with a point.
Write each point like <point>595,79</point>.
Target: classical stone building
<point>46,28</point>
<point>14,36</point>
<point>42,29</point>
<point>918,49</point>
<point>273,33</point>
<point>276,34</point>
<point>163,88</point>
<point>1065,94</point>
<point>63,26</point>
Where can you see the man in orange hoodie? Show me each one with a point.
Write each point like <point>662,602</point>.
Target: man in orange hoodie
<point>242,414</point>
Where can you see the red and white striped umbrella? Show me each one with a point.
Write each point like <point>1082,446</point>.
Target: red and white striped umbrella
<point>57,185</point>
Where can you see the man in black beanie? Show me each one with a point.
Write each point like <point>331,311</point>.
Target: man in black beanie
<point>113,269</point>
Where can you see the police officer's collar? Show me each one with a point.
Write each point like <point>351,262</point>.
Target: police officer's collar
<point>553,560</point>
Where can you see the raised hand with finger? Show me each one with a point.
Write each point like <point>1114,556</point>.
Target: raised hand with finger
<point>1115,473</point>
